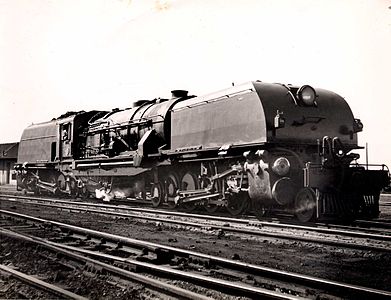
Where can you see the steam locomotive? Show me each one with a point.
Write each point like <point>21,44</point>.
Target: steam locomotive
<point>259,146</point>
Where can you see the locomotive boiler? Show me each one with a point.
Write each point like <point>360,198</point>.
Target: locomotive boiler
<point>256,146</point>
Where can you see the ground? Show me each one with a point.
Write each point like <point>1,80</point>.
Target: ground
<point>365,268</point>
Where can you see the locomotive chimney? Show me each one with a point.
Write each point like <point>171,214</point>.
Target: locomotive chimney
<point>178,94</point>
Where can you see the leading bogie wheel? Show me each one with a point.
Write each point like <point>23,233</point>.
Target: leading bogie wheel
<point>259,209</point>
<point>305,205</point>
<point>237,204</point>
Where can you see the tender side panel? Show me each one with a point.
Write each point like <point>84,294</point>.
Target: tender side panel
<point>234,120</point>
<point>38,143</point>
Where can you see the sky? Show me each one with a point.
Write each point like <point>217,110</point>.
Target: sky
<point>71,55</point>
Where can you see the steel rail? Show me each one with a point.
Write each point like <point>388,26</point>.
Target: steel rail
<point>214,218</point>
<point>382,237</point>
<point>234,230</point>
<point>166,288</point>
<point>238,289</point>
<point>330,285</point>
<point>40,284</point>
<point>379,224</point>
<point>123,207</point>
<point>228,229</point>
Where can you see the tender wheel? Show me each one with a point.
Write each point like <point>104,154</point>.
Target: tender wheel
<point>73,188</point>
<point>157,194</point>
<point>305,205</point>
<point>61,182</point>
<point>189,182</point>
<point>53,179</point>
<point>237,204</point>
<point>30,183</point>
<point>172,186</point>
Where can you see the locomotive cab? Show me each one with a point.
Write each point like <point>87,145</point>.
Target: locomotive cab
<point>47,151</point>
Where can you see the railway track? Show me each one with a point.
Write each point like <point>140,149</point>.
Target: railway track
<point>53,290</point>
<point>209,271</point>
<point>137,205</point>
<point>340,236</point>
<point>368,226</point>
<point>134,205</point>
<point>97,266</point>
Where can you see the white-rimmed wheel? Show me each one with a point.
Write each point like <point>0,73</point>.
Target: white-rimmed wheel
<point>157,194</point>
<point>172,187</point>
<point>305,205</point>
<point>189,182</point>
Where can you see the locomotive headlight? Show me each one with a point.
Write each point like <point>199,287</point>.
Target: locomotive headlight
<point>306,94</point>
<point>281,166</point>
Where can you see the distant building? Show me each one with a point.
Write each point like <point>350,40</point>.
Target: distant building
<point>8,157</point>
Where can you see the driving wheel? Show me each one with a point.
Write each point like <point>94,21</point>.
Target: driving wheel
<point>189,182</point>
<point>172,186</point>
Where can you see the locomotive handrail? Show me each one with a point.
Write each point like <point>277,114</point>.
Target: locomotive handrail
<point>131,123</point>
<point>383,166</point>
<point>352,165</point>
<point>308,119</point>
<point>37,138</point>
